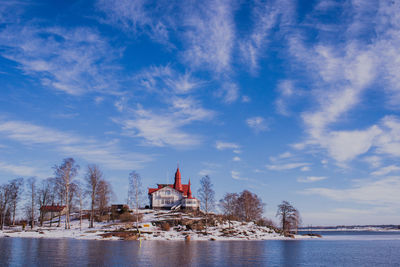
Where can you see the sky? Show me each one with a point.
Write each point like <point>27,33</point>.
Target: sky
<point>292,100</point>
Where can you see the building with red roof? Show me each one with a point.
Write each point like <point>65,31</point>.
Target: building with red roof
<point>173,196</point>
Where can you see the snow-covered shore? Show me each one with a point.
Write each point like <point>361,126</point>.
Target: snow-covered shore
<point>149,230</point>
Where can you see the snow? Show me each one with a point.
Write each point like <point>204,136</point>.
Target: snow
<point>148,231</point>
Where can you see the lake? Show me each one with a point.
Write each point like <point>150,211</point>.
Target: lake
<point>336,249</point>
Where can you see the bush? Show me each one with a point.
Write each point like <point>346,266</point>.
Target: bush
<point>126,217</point>
<point>265,222</point>
<point>165,226</point>
<point>101,218</point>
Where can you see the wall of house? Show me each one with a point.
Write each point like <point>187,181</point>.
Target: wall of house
<point>190,203</point>
<point>165,198</point>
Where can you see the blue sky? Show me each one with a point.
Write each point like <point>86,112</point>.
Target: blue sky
<point>293,100</point>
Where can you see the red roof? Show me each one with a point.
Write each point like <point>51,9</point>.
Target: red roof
<point>183,188</point>
<point>52,208</point>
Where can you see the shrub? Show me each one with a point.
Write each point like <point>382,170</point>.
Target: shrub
<point>101,218</point>
<point>165,226</point>
<point>126,217</point>
<point>265,222</point>
<point>137,217</point>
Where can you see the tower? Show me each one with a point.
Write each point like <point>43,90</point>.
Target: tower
<point>178,182</point>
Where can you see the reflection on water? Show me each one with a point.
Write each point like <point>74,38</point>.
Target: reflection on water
<point>70,252</point>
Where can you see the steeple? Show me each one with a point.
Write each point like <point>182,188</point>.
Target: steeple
<point>178,183</point>
<point>189,192</point>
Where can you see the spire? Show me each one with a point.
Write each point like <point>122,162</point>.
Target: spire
<point>189,192</point>
<point>178,183</point>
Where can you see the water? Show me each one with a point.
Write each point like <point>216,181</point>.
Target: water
<point>336,249</point>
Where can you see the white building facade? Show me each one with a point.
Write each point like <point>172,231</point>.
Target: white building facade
<point>173,196</point>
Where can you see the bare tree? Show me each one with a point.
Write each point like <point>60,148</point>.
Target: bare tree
<point>59,194</point>
<point>250,206</point>
<point>53,195</point>
<point>103,197</point>
<point>289,216</point>
<point>43,196</point>
<point>66,172</point>
<point>72,196</point>
<point>5,197</point>
<point>31,204</point>
<point>135,194</point>
<point>80,194</point>
<point>92,178</point>
<point>16,191</point>
<point>206,196</point>
<point>229,206</point>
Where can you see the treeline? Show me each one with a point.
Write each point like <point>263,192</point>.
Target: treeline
<point>62,189</point>
<point>246,206</point>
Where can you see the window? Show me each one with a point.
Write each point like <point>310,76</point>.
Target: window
<point>167,192</point>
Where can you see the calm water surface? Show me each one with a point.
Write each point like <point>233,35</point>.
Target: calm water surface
<point>336,249</point>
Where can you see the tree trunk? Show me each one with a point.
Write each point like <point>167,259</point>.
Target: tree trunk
<point>41,218</point>
<point>67,226</point>
<point>92,214</point>
<point>14,211</point>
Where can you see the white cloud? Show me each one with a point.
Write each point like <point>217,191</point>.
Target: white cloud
<point>236,158</point>
<point>74,61</point>
<point>286,166</point>
<point>135,17</point>
<point>374,161</point>
<point>341,73</point>
<point>284,155</point>
<point>236,175</point>
<point>165,128</point>
<point>258,124</point>
<point>286,91</point>
<point>246,99</point>
<point>229,92</point>
<point>19,170</point>
<point>70,144</point>
<point>305,168</point>
<point>346,145</point>
<point>264,17</point>
<point>311,179</point>
<point>381,192</point>
<point>210,35</point>
<point>226,145</point>
<point>386,170</point>
<point>166,80</point>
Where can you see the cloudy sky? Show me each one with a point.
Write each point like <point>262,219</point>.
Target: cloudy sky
<point>293,100</point>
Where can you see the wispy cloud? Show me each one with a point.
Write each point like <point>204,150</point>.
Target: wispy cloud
<point>381,192</point>
<point>258,124</point>
<point>74,61</point>
<point>287,91</point>
<point>165,128</point>
<point>19,170</point>
<point>141,16</point>
<point>70,144</point>
<point>341,72</point>
<point>220,145</point>
<point>386,170</point>
<point>236,175</point>
<point>166,80</point>
<point>236,158</point>
<point>210,35</point>
<point>311,179</point>
<point>286,166</point>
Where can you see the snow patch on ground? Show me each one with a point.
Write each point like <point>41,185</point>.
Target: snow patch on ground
<point>148,230</point>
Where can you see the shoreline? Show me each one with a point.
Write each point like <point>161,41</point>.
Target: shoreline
<point>157,225</point>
